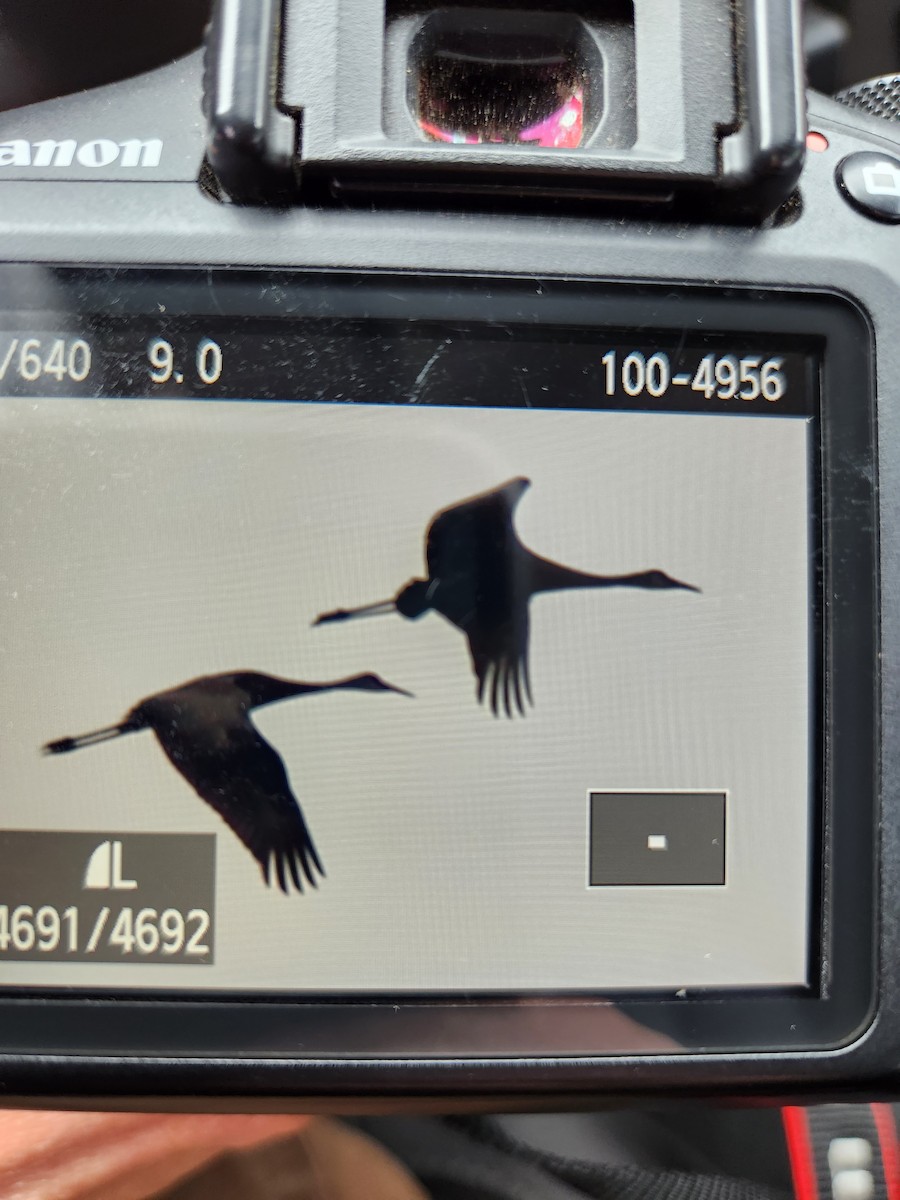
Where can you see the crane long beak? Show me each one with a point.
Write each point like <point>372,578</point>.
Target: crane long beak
<point>349,614</point>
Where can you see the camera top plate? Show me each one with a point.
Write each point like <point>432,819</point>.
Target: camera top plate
<point>698,100</point>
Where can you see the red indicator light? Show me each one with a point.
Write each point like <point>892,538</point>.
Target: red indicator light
<point>817,142</point>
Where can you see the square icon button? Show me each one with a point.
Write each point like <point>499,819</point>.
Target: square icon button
<point>871,183</point>
<point>663,838</point>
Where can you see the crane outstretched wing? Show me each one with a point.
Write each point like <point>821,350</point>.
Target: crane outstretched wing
<point>246,783</point>
<point>470,538</point>
<point>500,662</point>
<point>481,577</point>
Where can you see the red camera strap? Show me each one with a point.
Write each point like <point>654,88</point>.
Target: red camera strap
<point>843,1152</point>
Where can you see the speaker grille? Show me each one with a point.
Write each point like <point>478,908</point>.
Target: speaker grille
<point>877,97</point>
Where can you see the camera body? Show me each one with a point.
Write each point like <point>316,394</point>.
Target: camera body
<point>723,305</point>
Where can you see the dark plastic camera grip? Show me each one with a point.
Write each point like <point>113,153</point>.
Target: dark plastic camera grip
<point>876,97</point>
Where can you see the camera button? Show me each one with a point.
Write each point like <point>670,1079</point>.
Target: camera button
<point>871,183</point>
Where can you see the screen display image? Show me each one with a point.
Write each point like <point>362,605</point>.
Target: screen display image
<point>367,657</point>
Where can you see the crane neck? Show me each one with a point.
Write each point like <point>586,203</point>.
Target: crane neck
<point>548,576</point>
<point>273,689</point>
<point>269,690</point>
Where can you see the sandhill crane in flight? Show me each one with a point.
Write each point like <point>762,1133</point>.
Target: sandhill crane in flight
<point>481,579</point>
<point>205,730</point>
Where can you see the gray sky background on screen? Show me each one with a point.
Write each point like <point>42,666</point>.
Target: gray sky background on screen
<point>142,544</point>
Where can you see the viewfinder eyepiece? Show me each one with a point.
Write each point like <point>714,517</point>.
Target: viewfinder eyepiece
<point>505,76</point>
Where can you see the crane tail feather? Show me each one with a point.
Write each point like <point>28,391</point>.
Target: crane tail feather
<point>306,866</point>
<point>526,680</point>
<point>495,689</point>
<point>312,853</point>
<point>517,687</point>
<point>295,874</point>
<point>279,868</point>
<point>508,677</point>
<point>503,685</point>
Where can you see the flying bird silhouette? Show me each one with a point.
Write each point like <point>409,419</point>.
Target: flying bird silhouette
<point>481,579</point>
<point>206,732</point>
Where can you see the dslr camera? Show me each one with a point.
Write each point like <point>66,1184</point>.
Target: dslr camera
<point>450,610</point>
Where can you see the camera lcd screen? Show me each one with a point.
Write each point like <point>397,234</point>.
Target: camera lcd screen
<point>348,650</point>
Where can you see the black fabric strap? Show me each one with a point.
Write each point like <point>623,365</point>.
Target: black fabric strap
<point>473,1160</point>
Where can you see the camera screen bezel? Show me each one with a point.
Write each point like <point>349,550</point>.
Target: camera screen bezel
<point>841,1001</point>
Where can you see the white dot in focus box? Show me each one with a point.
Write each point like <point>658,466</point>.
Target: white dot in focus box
<point>657,841</point>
